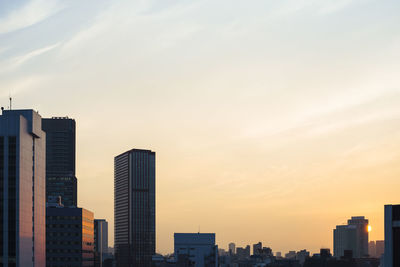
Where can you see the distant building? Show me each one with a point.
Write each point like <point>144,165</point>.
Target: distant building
<point>232,248</point>
<point>372,249</point>
<point>302,255</point>
<point>100,241</point>
<point>60,159</point>
<point>22,189</point>
<point>278,254</point>
<point>243,253</point>
<point>353,236</point>
<point>69,236</point>
<point>257,248</point>
<point>290,255</point>
<point>135,208</point>
<point>392,236</point>
<point>196,249</point>
<point>379,248</point>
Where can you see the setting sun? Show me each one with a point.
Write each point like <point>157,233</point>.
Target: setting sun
<point>369,228</point>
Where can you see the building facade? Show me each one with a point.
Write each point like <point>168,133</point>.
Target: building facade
<point>69,236</point>
<point>392,236</point>
<point>22,189</point>
<point>60,159</point>
<point>351,237</point>
<point>134,208</point>
<point>196,249</point>
<point>100,241</point>
<point>232,248</point>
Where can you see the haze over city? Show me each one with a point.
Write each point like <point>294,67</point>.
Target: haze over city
<point>272,121</point>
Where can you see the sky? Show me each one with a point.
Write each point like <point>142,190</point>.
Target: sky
<point>272,121</point>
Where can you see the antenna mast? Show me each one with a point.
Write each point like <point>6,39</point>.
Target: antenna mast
<point>10,103</point>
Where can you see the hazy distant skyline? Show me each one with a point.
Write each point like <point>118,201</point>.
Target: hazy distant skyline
<point>272,121</point>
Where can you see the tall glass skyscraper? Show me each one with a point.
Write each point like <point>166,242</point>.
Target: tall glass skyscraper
<point>60,159</point>
<point>134,208</point>
<point>22,189</point>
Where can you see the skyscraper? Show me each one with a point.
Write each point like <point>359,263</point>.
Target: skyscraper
<point>392,236</point>
<point>60,159</point>
<point>134,207</point>
<point>353,236</point>
<point>22,189</point>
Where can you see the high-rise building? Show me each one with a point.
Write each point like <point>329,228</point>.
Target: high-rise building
<point>196,249</point>
<point>351,237</point>
<point>69,236</point>
<point>60,159</point>
<point>134,208</point>
<point>392,236</point>
<point>232,248</point>
<point>22,189</point>
<point>100,241</point>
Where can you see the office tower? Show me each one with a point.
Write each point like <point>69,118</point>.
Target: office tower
<point>352,237</point>
<point>196,249</point>
<point>257,248</point>
<point>232,248</point>
<point>379,248</point>
<point>22,189</point>
<point>60,159</point>
<point>134,208</point>
<point>392,236</point>
<point>290,255</point>
<point>100,241</point>
<point>69,236</point>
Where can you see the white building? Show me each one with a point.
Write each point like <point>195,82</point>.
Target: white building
<point>22,189</point>
<point>199,249</point>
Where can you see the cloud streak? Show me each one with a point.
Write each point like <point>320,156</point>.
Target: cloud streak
<point>29,14</point>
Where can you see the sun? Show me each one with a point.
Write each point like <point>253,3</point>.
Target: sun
<point>369,228</point>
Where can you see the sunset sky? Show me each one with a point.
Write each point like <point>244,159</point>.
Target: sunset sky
<point>272,121</point>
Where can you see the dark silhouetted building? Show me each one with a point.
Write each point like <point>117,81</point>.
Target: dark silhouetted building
<point>60,159</point>
<point>100,241</point>
<point>392,236</point>
<point>134,208</point>
<point>353,236</point>
<point>196,249</point>
<point>257,248</point>
<point>69,236</point>
<point>243,253</point>
<point>22,189</point>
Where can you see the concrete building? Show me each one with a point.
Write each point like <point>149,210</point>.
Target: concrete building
<point>232,248</point>
<point>392,236</point>
<point>69,236</point>
<point>135,208</point>
<point>100,241</point>
<point>60,159</point>
<point>353,236</point>
<point>196,249</point>
<point>22,189</point>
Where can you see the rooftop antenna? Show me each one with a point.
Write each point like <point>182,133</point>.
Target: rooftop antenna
<point>199,229</point>
<point>10,102</point>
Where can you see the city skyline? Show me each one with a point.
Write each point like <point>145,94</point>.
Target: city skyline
<point>264,116</point>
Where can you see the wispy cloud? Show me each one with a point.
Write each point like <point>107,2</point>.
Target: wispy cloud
<point>13,63</point>
<point>29,14</point>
